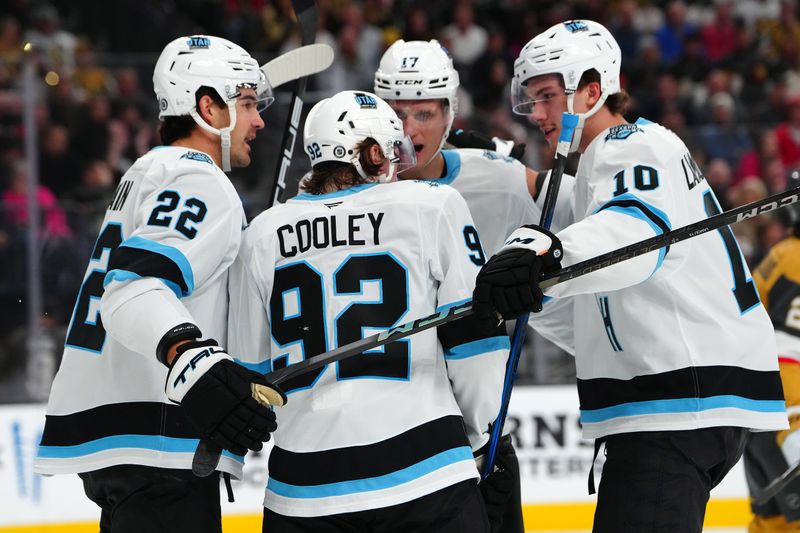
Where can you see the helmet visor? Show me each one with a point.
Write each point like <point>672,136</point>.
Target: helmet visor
<point>264,96</point>
<point>404,155</point>
<point>523,102</point>
<point>423,114</point>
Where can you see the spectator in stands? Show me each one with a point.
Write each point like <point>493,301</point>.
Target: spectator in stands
<point>788,134</point>
<point>719,35</point>
<point>417,25</point>
<point>10,44</point>
<point>492,72</point>
<point>718,175</point>
<point>625,31</point>
<point>645,71</point>
<point>747,231</point>
<point>724,137</point>
<point>15,206</point>
<point>86,204</point>
<point>666,97</point>
<point>369,38</point>
<point>57,45</point>
<point>59,166</point>
<point>784,32</point>
<point>754,162</point>
<point>465,39</point>
<point>671,34</point>
<point>90,79</point>
<point>91,139</point>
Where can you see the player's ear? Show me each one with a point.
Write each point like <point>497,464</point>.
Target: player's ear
<point>593,93</point>
<point>375,155</point>
<point>209,111</point>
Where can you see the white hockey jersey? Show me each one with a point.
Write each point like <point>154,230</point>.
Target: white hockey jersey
<point>386,426</point>
<point>677,338</point>
<point>161,259</point>
<point>496,190</point>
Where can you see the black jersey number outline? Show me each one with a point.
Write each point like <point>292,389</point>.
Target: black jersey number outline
<point>644,179</point>
<point>744,290</point>
<point>85,332</point>
<point>473,242</point>
<point>297,315</point>
<point>193,213</point>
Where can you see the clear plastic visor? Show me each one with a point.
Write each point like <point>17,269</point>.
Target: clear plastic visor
<point>404,156</point>
<point>523,103</point>
<point>423,114</point>
<point>262,88</point>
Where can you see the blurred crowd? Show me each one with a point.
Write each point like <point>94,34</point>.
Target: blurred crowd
<point>722,74</point>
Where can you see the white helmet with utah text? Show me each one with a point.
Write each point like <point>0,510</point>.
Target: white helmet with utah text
<point>568,49</point>
<point>336,126</point>
<point>189,63</point>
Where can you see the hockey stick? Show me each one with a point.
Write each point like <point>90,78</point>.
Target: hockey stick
<point>207,456</point>
<point>568,123</point>
<point>307,17</point>
<point>771,203</point>
<point>298,63</point>
<point>777,485</point>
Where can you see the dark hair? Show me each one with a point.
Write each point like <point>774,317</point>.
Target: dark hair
<point>617,103</point>
<point>174,128</point>
<point>334,175</point>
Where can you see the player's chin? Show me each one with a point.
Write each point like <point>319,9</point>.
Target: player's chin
<point>242,160</point>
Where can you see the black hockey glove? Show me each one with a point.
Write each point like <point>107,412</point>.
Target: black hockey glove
<point>498,487</point>
<point>509,282</point>
<point>472,139</point>
<point>217,395</point>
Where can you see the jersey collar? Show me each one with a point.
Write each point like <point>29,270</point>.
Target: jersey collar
<point>335,194</point>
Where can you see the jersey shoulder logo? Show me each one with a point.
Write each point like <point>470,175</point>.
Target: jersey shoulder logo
<point>197,156</point>
<point>622,132</point>
<point>494,156</point>
<point>429,183</point>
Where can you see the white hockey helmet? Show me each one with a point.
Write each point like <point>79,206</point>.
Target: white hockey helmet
<point>335,126</point>
<point>191,62</point>
<point>418,70</point>
<point>568,49</point>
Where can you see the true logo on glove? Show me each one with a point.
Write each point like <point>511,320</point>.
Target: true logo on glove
<point>208,352</point>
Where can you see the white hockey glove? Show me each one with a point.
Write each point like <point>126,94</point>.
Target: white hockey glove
<point>217,394</point>
<point>509,281</point>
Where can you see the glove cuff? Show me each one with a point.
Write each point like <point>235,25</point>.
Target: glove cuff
<point>194,359</point>
<point>181,332</point>
<point>536,239</point>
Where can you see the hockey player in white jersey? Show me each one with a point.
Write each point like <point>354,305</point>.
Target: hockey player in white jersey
<point>418,80</point>
<point>382,441</point>
<point>675,354</point>
<point>137,388</point>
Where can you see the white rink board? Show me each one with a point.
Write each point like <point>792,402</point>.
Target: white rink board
<point>554,462</point>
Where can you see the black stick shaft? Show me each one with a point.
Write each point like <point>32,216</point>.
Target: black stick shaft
<point>777,485</point>
<point>766,205</point>
<point>307,18</point>
<point>760,207</point>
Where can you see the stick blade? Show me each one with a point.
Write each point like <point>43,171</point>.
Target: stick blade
<point>206,458</point>
<point>298,63</point>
